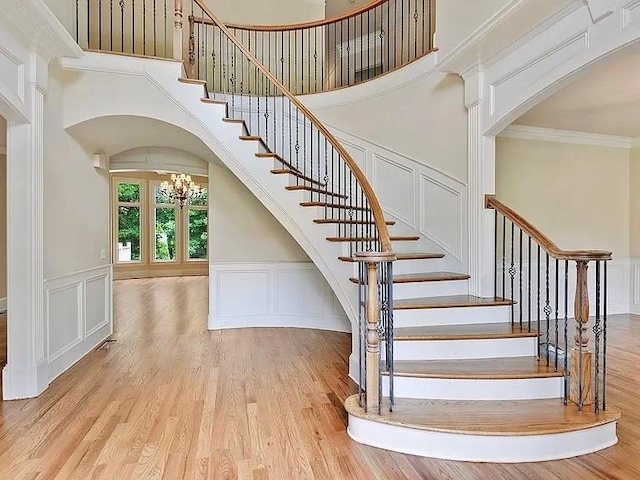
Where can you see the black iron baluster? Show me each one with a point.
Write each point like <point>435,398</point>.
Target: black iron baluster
<point>99,24</point>
<point>604,340</point>
<point>504,259</point>
<point>495,253</point>
<point>416,16</point>
<point>133,26</point>
<point>512,274</point>
<point>155,32</point>
<point>166,47</point>
<point>520,278</point>
<point>538,304</point>
<point>596,344</point>
<point>88,25</point>
<point>556,309</point>
<point>566,332</point>
<point>529,286</point>
<point>78,23</point>
<point>547,308</point>
<point>122,25</point>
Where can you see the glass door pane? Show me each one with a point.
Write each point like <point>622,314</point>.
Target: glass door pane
<point>128,234</point>
<point>197,234</point>
<point>165,234</point>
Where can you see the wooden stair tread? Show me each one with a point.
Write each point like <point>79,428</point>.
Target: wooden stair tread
<point>214,101</point>
<point>348,222</point>
<point>506,368</point>
<point>425,277</point>
<point>370,239</point>
<point>490,418</point>
<point>295,173</point>
<point>332,205</point>
<point>233,120</point>
<point>315,190</point>
<point>405,256</point>
<point>448,301</point>
<point>478,331</point>
<point>193,81</point>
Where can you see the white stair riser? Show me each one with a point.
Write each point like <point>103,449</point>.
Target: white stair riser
<point>464,349</point>
<point>479,448</point>
<point>418,266</point>
<point>430,289</point>
<point>450,316</point>
<point>465,389</point>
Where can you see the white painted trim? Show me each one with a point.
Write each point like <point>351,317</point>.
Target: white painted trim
<point>3,305</point>
<point>277,294</point>
<point>479,448</point>
<point>523,132</point>
<point>86,337</point>
<point>634,286</point>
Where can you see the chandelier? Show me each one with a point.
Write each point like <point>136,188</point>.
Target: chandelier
<point>180,190</point>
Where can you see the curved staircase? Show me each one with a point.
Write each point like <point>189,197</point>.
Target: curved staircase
<point>469,381</point>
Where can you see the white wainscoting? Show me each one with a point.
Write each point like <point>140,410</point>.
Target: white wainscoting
<point>422,200</point>
<point>78,314</point>
<point>634,283</point>
<point>280,294</point>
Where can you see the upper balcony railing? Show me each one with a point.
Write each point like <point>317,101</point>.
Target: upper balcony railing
<point>377,38</point>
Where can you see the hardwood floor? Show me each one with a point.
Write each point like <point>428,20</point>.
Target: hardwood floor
<point>169,400</point>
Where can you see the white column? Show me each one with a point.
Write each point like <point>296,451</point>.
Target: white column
<point>481,179</point>
<point>26,373</point>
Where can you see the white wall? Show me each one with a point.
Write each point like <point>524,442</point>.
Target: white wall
<point>76,231</point>
<point>3,230</point>
<point>267,12</point>
<point>242,229</point>
<point>634,213</point>
<point>458,19</point>
<point>634,229</point>
<point>76,196</point>
<point>338,7</point>
<point>259,275</point>
<point>578,195</point>
<point>423,117</point>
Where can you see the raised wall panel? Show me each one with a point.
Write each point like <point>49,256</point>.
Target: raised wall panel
<point>358,154</point>
<point>630,13</point>
<point>300,292</point>
<point>394,185</point>
<point>441,214</point>
<point>505,88</point>
<point>11,73</point>
<point>64,317</point>
<point>243,293</point>
<point>280,294</point>
<point>96,303</point>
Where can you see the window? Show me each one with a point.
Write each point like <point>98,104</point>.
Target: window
<point>165,227</point>
<point>153,236</point>
<point>129,222</point>
<point>197,220</point>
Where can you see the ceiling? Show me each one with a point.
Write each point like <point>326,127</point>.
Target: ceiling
<point>605,100</point>
<point>117,134</point>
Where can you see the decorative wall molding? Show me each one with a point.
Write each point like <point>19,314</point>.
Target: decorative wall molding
<point>3,305</point>
<point>281,294</point>
<point>78,316</point>
<point>634,284</point>
<point>523,132</point>
<point>407,189</point>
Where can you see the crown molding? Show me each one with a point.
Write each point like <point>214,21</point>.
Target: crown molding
<point>523,132</point>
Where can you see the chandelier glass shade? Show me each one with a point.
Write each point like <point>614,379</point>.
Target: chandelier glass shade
<point>181,189</point>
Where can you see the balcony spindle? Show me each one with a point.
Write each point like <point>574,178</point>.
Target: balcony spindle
<point>580,389</point>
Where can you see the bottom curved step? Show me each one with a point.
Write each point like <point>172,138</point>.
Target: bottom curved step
<point>484,431</point>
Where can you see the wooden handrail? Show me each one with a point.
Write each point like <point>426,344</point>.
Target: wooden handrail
<point>305,25</point>
<point>378,214</point>
<point>541,239</point>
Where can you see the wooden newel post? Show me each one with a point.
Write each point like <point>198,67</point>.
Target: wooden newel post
<point>372,352</point>
<point>177,31</point>
<point>373,342</point>
<point>581,389</point>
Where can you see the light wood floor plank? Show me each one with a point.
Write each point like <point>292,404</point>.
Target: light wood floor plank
<point>169,399</point>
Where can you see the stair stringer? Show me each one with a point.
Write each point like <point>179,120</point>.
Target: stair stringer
<point>112,85</point>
